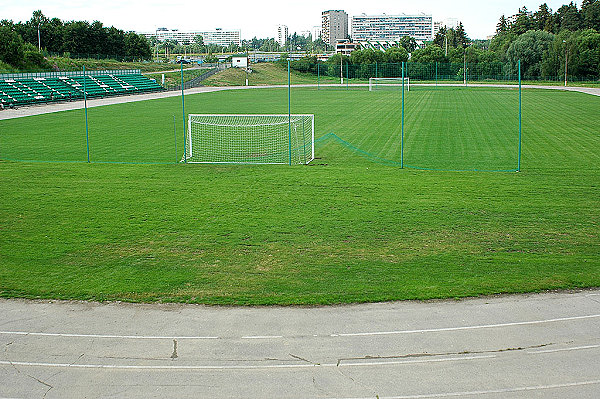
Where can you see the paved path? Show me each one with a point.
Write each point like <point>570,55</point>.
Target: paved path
<point>541,345</point>
<point>66,106</point>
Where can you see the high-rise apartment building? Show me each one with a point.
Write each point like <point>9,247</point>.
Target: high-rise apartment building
<point>219,36</point>
<point>334,26</point>
<point>373,28</point>
<point>282,34</point>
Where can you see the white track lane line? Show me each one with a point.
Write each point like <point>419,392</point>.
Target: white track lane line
<point>242,367</point>
<point>67,335</point>
<point>429,330</point>
<point>518,323</point>
<point>575,348</point>
<point>487,392</point>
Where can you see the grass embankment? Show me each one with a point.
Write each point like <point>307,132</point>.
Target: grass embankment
<point>174,78</point>
<point>344,229</point>
<point>69,64</point>
<point>264,74</point>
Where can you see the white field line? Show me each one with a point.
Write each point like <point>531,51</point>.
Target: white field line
<point>241,367</point>
<point>357,334</point>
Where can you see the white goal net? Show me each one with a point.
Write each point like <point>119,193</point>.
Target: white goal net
<point>388,83</point>
<point>251,139</point>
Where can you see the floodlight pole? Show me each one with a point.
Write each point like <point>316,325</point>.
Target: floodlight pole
<point>39,41</point>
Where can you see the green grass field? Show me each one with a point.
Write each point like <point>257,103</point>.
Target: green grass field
<point>350,227</point>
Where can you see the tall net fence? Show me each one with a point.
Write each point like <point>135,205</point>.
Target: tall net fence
<point>347,75</point>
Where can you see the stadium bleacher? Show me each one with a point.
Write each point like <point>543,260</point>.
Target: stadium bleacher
<point>23,90</point>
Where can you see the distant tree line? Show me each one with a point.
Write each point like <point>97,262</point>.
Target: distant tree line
<point>544,41</point>
<point>72,37</point>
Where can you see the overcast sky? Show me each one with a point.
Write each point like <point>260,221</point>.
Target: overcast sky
<point>260,17</point>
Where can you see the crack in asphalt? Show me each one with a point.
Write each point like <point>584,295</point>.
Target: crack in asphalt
<point>425,354</point>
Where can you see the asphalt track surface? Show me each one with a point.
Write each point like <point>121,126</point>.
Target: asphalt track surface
<point>24,111</point>
<point>521,346</point>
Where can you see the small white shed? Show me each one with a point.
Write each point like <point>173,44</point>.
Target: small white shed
<point>239,62</point>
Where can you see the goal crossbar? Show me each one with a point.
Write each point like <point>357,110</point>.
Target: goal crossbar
<point>386,83</point>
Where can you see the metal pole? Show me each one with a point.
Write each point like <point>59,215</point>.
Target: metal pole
<point>175,134</point>
<point>318,75</point>
<point>39,41</point>
<point>183,110</point>
<point>341,69</point>
<point>347,77</point>
<point>436,73</point>
<point>520,131</point>
<point>465,67</point>
<point>566,63</point>
<point>87,135</point>
<point>289,115</point>
<point>402,133</point>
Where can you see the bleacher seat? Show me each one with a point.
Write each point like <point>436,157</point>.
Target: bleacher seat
<point>27,90</point>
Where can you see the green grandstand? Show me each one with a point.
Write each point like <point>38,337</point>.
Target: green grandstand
<point>32,88</point>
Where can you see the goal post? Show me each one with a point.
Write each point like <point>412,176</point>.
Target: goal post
<point>250,139</point>
<point>388,83</point>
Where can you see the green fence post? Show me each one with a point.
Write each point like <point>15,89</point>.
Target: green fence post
<point>289,114</point>
<point>519,160</point>
<point>183,110</point>
<point>402,133</point>
<point>318,75</point>
<point>87,136</point>
<point>175,134</point>
<point>347,76</point>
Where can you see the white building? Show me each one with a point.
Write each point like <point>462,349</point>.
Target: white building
<point>316,32</point>
<point>239,62</point>
<point>282,35</point>
<point>334,26</point>
<point>448,23</point>
<point>376,28</point>
<point>219,36</point>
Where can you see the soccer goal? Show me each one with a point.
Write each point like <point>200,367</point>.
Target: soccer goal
<point>250,139</point>
<point>388,83</point>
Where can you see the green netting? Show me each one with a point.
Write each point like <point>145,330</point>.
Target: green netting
<point>445,127</point>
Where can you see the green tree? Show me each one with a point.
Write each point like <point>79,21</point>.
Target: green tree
<point>523,22</point>
<point>136,46</point>
<point>502,25</point>
<point>531,48</point>
<point>542,18</point>
<point>11,47</point>
<point>500,44</point>
<point>409,43</point>
<point>462,40</point>
<point>429,54</point>
<point>568,18</point>
<point>396,55</point>
<point>590,13</point>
